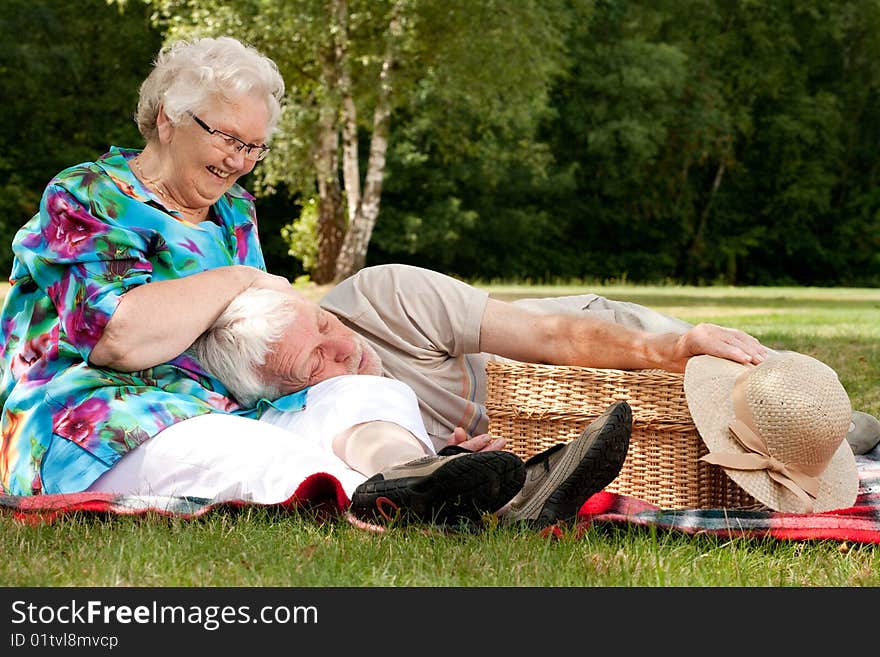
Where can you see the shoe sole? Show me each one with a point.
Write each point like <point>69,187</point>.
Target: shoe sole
<point>460,490</point>
<point>593,459</point>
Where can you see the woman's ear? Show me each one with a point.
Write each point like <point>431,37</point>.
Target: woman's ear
<point>164,126</point>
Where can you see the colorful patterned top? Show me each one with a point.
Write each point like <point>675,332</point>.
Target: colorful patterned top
<point>98,233</point>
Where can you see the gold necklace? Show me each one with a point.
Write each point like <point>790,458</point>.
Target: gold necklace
<point>156,184</point>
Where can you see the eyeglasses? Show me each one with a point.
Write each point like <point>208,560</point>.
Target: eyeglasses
<point>232,145</point>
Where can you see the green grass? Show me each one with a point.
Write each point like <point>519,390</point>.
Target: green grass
<point>259,547</point>
<point>264,547</point>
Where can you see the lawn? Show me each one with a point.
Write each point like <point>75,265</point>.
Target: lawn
<point>263,547</point>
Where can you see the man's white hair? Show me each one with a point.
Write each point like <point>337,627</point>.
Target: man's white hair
<point>235,346</point>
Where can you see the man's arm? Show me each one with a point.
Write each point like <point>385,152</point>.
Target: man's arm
<point>512,332</point>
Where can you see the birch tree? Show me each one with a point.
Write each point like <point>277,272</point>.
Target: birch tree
<point>349,65</point>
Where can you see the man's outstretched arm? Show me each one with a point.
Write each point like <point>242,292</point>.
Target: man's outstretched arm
<point>512,332</point>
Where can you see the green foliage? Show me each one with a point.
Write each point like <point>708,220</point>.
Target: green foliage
<point>739,162</point>
<point>692,140</point>
<point>69,78</point>
<point>301,235</point>
<point>466,165</point>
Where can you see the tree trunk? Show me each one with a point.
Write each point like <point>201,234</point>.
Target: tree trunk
<point>353,254</point>
<point>363,216</point>
<point>351,175</point>
<point>331,213</point>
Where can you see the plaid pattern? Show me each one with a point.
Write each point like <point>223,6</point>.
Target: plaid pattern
<point>322,492</point>
<point>858,524</point>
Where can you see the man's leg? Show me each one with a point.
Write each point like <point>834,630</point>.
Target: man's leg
<point>376,429</point>
<point>631,315</point>
<point>374,446</point>
<point>864,433</point>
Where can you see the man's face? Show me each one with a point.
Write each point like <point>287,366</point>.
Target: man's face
<point>314,347</point>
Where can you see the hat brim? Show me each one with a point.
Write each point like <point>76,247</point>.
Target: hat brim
<point>708,387</point>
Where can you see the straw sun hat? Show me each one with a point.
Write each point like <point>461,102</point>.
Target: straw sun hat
<point>777,428</point>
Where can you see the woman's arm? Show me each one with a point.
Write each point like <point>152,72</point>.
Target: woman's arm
<point>157,321</point>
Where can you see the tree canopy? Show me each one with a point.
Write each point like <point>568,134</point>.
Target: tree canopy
<point>698,141</point>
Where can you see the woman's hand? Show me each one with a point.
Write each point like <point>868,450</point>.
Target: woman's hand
<point>265,280</point>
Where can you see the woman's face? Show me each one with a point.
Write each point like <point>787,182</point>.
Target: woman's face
<point>200,172</point>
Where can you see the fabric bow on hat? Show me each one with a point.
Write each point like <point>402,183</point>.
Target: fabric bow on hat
<point>757,456</point>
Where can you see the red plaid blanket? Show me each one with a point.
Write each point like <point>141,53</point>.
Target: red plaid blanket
<point>859,524</point>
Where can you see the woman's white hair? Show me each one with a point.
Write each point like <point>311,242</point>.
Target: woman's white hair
<point>188,76</point>
<point>235,346</point>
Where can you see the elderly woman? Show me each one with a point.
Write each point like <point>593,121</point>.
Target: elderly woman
<point>128,260</point>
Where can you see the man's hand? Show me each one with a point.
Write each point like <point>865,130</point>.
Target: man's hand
<point>482,443</point>
<point>713,340</point>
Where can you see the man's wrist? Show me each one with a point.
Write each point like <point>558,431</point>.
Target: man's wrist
<point>659,350</point>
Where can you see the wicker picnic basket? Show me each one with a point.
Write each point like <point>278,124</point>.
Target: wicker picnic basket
<point>536,406</point>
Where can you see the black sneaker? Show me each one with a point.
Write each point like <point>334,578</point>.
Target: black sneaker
<point>456,486</point>
<point>560,479</point>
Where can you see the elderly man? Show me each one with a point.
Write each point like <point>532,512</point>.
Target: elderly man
<point>435,334</point>
<point>268,344</point>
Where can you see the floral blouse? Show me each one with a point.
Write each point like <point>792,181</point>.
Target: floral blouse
<point>98,233</point>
